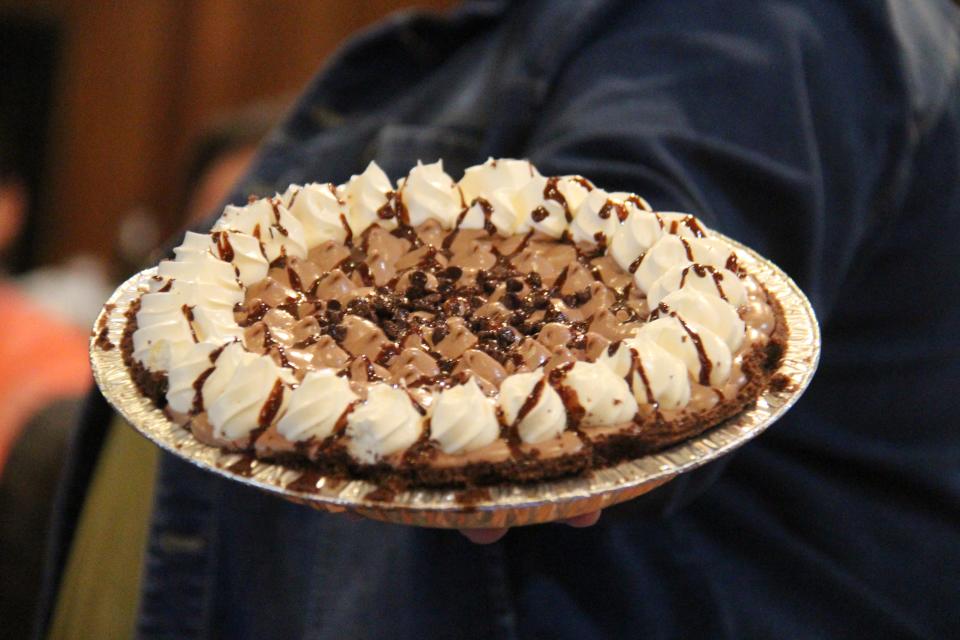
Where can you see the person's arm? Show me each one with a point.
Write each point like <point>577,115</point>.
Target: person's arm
<point>752,121</point>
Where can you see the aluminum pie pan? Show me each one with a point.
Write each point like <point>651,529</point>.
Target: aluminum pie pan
<point>497,506</point>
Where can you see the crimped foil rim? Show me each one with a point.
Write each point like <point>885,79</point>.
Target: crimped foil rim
<point>501,505</point>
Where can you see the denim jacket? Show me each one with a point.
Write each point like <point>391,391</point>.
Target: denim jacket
<point>825,134</point>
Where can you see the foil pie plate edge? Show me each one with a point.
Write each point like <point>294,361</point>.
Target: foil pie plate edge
<point>498,506</point>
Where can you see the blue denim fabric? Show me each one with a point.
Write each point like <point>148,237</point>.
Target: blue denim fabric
<point>826,134</point>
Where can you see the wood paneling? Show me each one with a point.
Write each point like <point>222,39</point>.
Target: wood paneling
<point>139,79</point>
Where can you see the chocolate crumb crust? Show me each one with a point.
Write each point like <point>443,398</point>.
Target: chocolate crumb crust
<point>432,301</point>
<point>102,331</point>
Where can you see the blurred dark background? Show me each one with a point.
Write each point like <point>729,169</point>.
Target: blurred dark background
<point>103,101</point>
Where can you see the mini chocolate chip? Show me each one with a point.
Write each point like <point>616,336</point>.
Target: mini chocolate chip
<point>415,292</point>
<point>511,301</point>
<point>446,365</point>
<point>453,272</point>
<point>488,286</point>
<point>540,300</point>
<point>506,337</point>
<point>455,306</point>
<point>479,324</point>
<point>570,300</point>
<point>476,302</point>
<point>554,315</point>
<point>514,285</point>
<point>445,287</point>
<point>534,280</point>
<point>392,329</point>
<point>532,328</point>
<point>487,335</point>
<point>338,332</point>
<point>334,305</point>
<point>439,333</point>
<point>359,307</point>
<point>583,297</point>
<point>419,279</point>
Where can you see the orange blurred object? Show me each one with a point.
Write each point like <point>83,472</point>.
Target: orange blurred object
<point>42,359</point>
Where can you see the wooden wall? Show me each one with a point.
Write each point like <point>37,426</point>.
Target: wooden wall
<point>139,78</point>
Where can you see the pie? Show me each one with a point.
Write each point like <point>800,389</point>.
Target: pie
<point>506,328</point>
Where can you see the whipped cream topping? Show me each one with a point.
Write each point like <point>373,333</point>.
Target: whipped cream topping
<point>368,196</point>
<point>182,376</point>
<point>321,211</point>
<point>653,374</point>
<point>232,357</point>
<point>285,237</point>
<point>632,201</point>
<point>574,190</point>
<point>633,239</point>
<point>603,395</point>
<point>267,220</point>
<point>495,209</point>
<point>695,295</point>
<point>430,194</point>
<point>708,312</point>
<point>597,218</point>
<point>164,334</point>
<point>463,419</point>
<point>195,264</point>
<point>214,325</point>
<point>316,406</point>
<point>533,405</point>
<point>705,279</point>
<point>534,211</point>
<point>245,253</point>
<point>251,399</point>
<point>385,423</point>
<point>706,356</point>
<point>504,176</point>
<point>667,252</point>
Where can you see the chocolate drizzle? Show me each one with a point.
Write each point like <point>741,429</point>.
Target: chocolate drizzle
<point>702,271</point>
<point>197,405</point>
<point>224,248</point>
<point>637,363</point>
<point>551,191</point>
<point>348,239</point>
<point>188,314</point>
<point>611,206</point>
<point>531,400</point>
<point>270,408</point>
<point>705,365</point>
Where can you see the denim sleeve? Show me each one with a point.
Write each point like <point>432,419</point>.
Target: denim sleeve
<point>786,126</point>
<point>781,124</point>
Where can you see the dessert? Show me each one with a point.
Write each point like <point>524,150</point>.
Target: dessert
<point>509,327</point>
